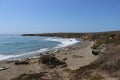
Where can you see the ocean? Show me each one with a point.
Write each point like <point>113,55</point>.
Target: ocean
<point>17,46</point>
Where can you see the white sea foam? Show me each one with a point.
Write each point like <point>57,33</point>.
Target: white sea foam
<point>17,56</point>
<point>3,57</point>
<point>64,42</point>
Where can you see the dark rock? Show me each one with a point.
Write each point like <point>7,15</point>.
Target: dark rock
<point>96,52</point>
<point>64,65</point>
<point>21,62</point>
<point>51,61</point>
<point>76,56</point>
<point>65,59</point>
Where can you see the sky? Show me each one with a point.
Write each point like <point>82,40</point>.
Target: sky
<point>44,16</point>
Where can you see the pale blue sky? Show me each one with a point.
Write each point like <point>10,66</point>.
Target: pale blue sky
<point>41,16</point>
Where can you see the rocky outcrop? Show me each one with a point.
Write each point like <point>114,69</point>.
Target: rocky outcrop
<point>51,61</point>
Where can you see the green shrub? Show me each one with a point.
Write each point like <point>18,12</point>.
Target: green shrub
<point>96,77</point>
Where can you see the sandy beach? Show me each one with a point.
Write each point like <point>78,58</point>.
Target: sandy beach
<point>75,56</point>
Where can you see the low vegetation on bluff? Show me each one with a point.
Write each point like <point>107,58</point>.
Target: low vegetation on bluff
<point>107,63</point>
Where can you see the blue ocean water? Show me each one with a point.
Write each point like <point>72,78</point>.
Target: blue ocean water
<point>12,46</point>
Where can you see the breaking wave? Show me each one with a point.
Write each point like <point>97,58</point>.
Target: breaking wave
<point>64,42</point>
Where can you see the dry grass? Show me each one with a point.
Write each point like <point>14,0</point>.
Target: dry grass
<point>112,59</point>
<point>105,38</point>
<point>35,76</point>
<point>86,71</point>
<point>96,77</point>
<point>109,62</point>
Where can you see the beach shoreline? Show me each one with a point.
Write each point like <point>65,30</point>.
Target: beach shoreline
<point>63,42</point>
<point>76,55</point>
